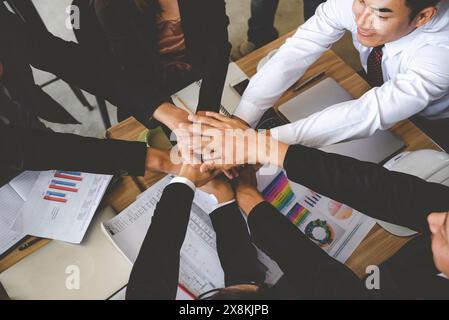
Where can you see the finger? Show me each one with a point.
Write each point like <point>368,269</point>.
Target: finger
<point>207,166</point>
<point>219,117</point>
<point>202,144</point>
<point>228,174</point>
<point>198,129</point>
<point>210,121</point>
<point>189,157</point>
<point>211,155</point>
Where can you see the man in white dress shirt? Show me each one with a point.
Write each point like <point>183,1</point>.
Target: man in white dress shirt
<point>404,48</point>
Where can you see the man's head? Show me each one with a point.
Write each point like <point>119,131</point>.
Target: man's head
<point>439,226</point>
<point>383,21</point>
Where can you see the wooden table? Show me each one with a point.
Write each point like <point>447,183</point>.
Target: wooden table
<point>379,245</point>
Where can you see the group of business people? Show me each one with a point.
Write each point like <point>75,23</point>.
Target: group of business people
<point>163,45</point>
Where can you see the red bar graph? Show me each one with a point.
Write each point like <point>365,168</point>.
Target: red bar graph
<point>64,176</point>
<point>55,199</point>
<point>63,188</point>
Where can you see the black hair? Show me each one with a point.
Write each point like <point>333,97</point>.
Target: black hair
<point>416,6</point>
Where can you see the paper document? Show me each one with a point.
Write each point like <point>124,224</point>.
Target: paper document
<point>200,268</point>
<point>61,205</point>
<point>12,198</point>
<point>188,98</point>
<point>10,203</point>
<point>333,226</point>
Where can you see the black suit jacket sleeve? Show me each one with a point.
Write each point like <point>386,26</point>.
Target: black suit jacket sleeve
<point>205,26</point>
<point>217,60</point>
<point>390,196</point>
<point>25,149</point>
<point>156,270</point>
<point>237,254</point>
<point>121,31</point>
<point>309,269</point>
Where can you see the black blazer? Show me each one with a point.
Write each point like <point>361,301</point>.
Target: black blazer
<point>309,272</point>
<point>26,149</point>
<point>389,196</point>
<point>156,270</point>
<point>131,34</point>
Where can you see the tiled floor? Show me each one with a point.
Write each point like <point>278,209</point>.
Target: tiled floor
<point>289,16</point>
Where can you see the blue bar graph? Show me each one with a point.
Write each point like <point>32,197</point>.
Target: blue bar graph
<point>56,194</point>
<point>64,183</point>
<point>72,173</point>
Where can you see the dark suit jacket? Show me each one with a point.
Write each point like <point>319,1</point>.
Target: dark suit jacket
<point>393,197</point>
<point>26,149</point>
<point>309,271</point>
<point>131,34</point>
<point>156,270</point>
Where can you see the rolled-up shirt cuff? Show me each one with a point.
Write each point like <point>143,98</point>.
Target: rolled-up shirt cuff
<point>184,181</point>
<point>221,205</point>
<point>285,134</point>
<point>249,113</point>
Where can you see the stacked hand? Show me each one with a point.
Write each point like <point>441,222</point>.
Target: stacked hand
<point>213,141</point>
<point>210,143</point>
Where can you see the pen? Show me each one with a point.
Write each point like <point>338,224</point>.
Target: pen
<point>28,244</point>
<point>309,81</point>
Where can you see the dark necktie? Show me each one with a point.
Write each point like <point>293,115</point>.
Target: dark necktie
<point>375,75</point>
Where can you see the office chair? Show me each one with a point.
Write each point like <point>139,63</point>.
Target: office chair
<point>28,13</point>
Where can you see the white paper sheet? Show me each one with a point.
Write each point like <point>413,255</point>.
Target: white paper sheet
<point>200,268</point>
<point>10,203</point>
<point>24,183</point>
<point>335,227</point>
<point>65,221</point>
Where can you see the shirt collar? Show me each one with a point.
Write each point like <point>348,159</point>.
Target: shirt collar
<point>396,47</point>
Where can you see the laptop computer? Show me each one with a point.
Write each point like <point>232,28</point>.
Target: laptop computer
<point>378,148</point>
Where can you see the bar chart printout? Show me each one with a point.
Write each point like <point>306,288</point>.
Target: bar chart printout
<point>61,205</point>
<point>63,184</point>
<point>333,226</point>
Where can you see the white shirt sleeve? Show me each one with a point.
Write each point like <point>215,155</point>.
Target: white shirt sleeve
<point>426,80</point>
<point>184,181</point>
<point>220,205</point>
<point>292,60</point>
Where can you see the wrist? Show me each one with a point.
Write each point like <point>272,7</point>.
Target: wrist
<point>194,175</point>
<point>270,151</point>
<point>224,196</point>
<point>248,199</point>
<point>170,115</point>
<point>241,120</point>
<point>159,160</point>
<point>189,175</point>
